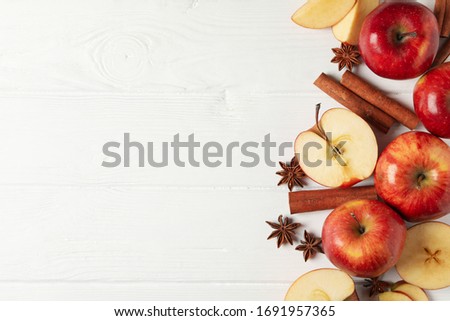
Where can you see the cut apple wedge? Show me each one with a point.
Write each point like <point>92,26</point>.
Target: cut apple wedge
<point>414,292</point>
<point>393,296</point>
<point>347,30</point>
<point>425,260</point>
<point>322,285</point>
<point>318,14</point>
<point>340,151</point>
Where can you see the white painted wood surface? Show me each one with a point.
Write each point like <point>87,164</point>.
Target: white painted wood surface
<point>76,74</point>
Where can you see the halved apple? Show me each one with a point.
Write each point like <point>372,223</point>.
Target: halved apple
<point>414,292</point>
<point>318,14</point>
<point>393,296</point>
<point>322,285</point>
<point>347,30</point>
<point>425,260</point>
<point>340,151</point>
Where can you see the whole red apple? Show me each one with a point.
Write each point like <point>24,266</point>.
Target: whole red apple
<point>399,40</point>
<point>432,100</point>
<point>363,237</point>
<point>413,176</point>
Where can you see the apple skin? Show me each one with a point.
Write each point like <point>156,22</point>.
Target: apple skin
<point>432,100</point>
<point>386,48</point>
<point>366,254</point>
<point>413,176</point>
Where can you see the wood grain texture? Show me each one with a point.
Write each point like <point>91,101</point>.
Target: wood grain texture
<point>141,291</point>
<point>60,140</point>
<point>141,234</point>
<point>163,46</point>
<point>74,75</point>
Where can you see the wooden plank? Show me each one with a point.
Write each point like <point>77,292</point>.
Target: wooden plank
<point>118,291</point>
<point>163,46</point>
<point>128,243</point>
<point>86,291</point>
<point>57,139</point>
<point>141,234</point>
<point>70,291</point>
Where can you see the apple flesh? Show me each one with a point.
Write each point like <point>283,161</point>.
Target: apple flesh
<point>318,14</point>
<point>399,40</point>
<point>413,176</point>
<point>432,100</point>
<point>393,296</point>
<point>347,30</point>
<point>414,292</point>
<point>425,261</point>
<point>363,237</point>
<point>345,157</point>
<point>322,285</point>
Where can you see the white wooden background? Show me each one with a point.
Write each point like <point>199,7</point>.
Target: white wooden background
<point>76,74</point>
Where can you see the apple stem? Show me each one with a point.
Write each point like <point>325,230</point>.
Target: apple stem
<point>319,127</point>
<point>402,35</point>
<point>361,228</point>
<point>335,150</point>
<point>420,178</point>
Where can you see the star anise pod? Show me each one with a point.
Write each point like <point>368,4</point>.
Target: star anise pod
<point>291,174</point>
<point>284,230</point>
<point>376,286</point>
<point>310,246</point>
<point>346,56</point>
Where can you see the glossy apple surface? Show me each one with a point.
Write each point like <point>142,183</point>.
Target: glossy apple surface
<point>432,100</point>
<point>399,40</point>
<point>413,176</point>
<point>364,238</point>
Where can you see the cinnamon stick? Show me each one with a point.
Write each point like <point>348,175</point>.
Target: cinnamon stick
<point>439,12</point>
<point>443,53</point>
<point>316,200</point>
<point>352,101</point>
<point>374,96</point>
<point>445,31</point>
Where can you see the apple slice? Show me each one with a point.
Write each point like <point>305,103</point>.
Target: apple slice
<point>393,296</point>
<point>340,151</point>
<point>322,285</point>
<point>425,260</point>
<point>414,292</point>
<point>347,30</point>
<point>318,14</point>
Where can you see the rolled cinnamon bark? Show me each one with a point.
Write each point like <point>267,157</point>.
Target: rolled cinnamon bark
<point>352,101</point>
<point>443,53</point>
<point>376,97</point>
<point>439,12</point>
<point>445,31</point>
<point>316,200</point>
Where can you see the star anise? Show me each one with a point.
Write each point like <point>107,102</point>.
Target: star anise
<point>376,286</point>
<point>284,231</point>
<point>291,174</point>
<point>310,246</point>
<point>346,56</point>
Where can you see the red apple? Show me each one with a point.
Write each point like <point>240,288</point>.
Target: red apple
<point>432,100</point>
<point>363,237</point>
<point>399,40</point>
<point>413,176</point>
